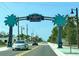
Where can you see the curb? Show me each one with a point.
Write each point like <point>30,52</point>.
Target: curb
<point>58,53</point>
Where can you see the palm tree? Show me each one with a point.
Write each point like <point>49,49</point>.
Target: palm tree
<point>60,21</point>
<point>11,21</point>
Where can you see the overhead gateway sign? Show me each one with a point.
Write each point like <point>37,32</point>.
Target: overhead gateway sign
<point>35,18</point>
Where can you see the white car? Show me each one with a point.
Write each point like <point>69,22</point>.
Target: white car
<point>20,45</point>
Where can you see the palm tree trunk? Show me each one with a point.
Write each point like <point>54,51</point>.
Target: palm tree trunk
<point>59,36</point>
<point>10,36</point>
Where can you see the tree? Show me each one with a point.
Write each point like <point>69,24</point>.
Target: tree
<point>37,39</point>
<point>49,39</point>
<point>11,21</point>
<point>27,36</point>
<point>53,36</point>
<point>2,43</point>
<point>3,35</point>
<point>24,37</point>
<point>70,30</point>
<point>40,39</point>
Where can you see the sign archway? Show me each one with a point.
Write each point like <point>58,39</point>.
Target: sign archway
<point>59,20</point>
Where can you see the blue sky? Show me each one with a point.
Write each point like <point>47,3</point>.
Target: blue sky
<point>43,29</point>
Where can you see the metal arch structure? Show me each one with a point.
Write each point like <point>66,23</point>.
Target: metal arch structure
<point>25,18</point>
<point>34,15</point>
<point>37,18</point>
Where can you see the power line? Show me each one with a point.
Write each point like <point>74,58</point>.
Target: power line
<point>2,7</point>
<point>7,7</point>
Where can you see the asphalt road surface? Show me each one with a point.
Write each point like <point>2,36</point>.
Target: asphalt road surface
<point>10,52</point>
<point>41,50</point>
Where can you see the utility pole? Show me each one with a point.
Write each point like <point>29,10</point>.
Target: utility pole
<point>21,33</point>
<point>27,29</point>
<point>18,30</point>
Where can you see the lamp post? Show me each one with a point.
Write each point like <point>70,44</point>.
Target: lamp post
<point>77,21</point>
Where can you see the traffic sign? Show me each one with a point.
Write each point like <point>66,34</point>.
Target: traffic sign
<point>35,17</point>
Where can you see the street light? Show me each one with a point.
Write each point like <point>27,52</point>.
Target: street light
<point>77,21</point>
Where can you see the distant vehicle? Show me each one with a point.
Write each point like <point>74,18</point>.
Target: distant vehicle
<point>20,44</point>
<point>35,43</point>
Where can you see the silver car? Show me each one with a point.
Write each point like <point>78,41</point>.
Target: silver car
<point>20,44</point>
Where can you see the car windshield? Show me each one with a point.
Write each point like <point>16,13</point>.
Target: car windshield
<point>20,42</point>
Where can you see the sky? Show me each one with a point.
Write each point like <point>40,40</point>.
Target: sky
<point>42,29</point>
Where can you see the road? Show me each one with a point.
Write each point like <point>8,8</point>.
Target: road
<point>10,52</point>
<point>41,50</point>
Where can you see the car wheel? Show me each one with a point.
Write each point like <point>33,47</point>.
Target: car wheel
<point>27,48</point>
<point>13,49</point>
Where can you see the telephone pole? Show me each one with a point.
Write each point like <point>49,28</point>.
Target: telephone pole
<point>18,31</point>
<point>27,29</point>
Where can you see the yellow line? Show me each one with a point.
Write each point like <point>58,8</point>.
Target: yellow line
<point>25,52</point>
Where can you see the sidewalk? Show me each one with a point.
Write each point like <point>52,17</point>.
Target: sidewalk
<point>4,48</point>
<point>65,51</point>
<point>54,48</point>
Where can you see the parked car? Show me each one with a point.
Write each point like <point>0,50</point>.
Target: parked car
<point>35,43</point>
<point>20,44</point>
